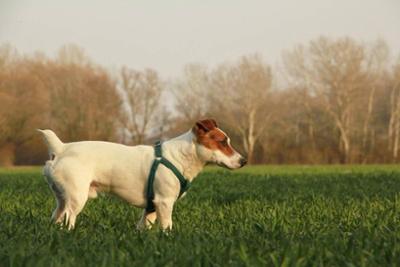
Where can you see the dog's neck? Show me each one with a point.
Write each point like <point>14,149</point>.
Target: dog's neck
<point>181,151</point>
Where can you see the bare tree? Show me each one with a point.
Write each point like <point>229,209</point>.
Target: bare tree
<point>71,54</point>
<point>394,121</point>
<point>83,100</point>
<point>341,103</point>
<point>21,104</point>
<point>242,99</point>
<point>336,72</point>
<point>192,94</point>
<point>376,64</point>
<point>143,92</point>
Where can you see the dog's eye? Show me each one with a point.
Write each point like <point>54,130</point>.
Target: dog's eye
<point>224,142</point>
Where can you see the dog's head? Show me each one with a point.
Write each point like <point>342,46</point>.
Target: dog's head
<point>213,145</point>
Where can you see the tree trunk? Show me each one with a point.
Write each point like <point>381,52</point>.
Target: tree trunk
<point>251,137</point>
<point>366,123</point>
<point>396,139</point>
<point>346,150</point>
<point>394,117</point>
<point>7,155</point>
<point>250,153</point>
<point>344,144</point>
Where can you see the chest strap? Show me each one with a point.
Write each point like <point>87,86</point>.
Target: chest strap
<point>185,184</point>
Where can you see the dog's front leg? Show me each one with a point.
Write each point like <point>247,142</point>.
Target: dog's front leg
<point>164,213</point>
<point>147,220</point>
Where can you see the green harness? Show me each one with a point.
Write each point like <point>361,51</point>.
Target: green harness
<point>185,184</point>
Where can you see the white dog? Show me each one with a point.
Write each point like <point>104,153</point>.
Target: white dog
<point>79,170</point>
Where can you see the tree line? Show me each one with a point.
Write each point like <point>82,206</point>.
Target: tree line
<point>330,101</point>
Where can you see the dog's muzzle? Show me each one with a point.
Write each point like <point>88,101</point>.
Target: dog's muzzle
<point>242,161</point>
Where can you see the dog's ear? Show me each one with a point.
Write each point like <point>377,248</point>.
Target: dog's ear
<point>204,126</point>
<point>213,122</point>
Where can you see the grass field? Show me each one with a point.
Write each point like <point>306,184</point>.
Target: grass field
<point>258,216</point>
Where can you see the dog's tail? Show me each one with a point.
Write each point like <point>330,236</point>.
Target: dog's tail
<point>54,144</point>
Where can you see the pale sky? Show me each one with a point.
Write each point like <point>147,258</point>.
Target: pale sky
<point>166,35</point>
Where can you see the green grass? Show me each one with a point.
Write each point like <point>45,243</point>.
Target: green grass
<point>258,216</point>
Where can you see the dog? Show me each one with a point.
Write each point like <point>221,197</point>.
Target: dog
<point>78,171</point>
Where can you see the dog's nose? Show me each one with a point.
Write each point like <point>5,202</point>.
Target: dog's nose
<point>242,162</point>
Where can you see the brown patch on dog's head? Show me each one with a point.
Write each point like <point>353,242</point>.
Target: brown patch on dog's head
<point>206,125</point>
<point>209,135</point>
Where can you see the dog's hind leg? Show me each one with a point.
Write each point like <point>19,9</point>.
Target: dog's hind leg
<point>70,183</point>
<point>59,212</point>
<point>75,201</point>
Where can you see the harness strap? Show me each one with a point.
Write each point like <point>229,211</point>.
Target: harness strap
<point>185,184</point>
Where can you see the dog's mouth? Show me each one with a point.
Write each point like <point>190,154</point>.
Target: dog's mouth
<point>221,164</point>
